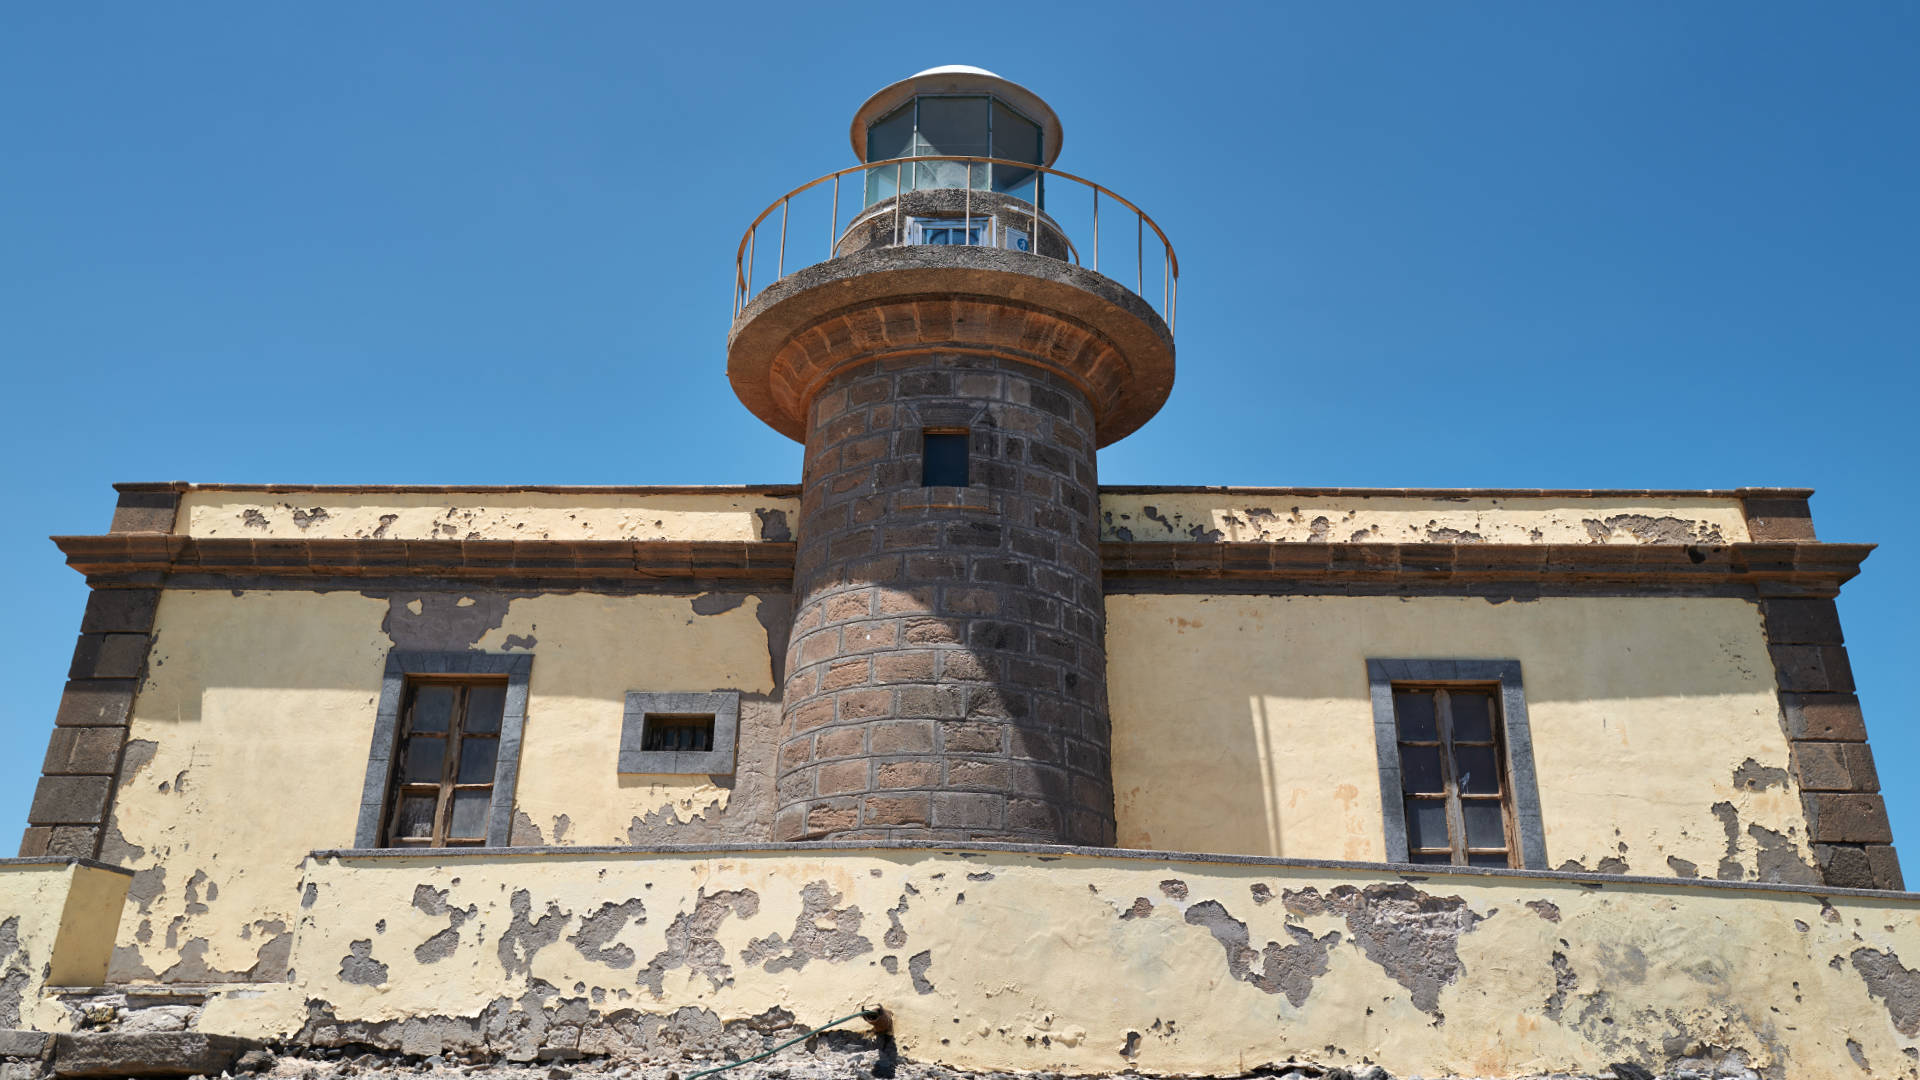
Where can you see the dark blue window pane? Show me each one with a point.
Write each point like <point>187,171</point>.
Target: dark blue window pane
<point>1420,770</point>
<point>1426,824</point>
<point>1472,717</point>
<point>1414,711</point>
<point>943,459</point>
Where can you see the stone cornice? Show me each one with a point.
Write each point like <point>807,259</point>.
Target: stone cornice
<point>136,554</point>
<point>1800,568</point>
<point>1788,568</point>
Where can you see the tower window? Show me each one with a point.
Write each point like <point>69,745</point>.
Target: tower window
<point>956,232</point>
<point>943,459</point>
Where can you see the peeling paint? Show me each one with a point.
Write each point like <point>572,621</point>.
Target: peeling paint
<point>434,621</point>
<point>691,940</point>
<point>16,972</point>
<point>137,755</point>
<point>597,930</point>
<point>1753,776</point>
<point>820,932</point>
<point>359,967</point>
<point>896,935</point>
<point>526,936</point>
<point>917,966</point>
<point>1288,969</point>
<point>773,524</point>
<point>1412,935</point>
<point>1564,982</point>
<point>1894,984</point>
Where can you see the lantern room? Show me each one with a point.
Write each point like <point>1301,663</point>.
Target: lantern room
<point>952,112</point>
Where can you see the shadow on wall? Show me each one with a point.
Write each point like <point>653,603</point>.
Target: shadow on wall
<point>1242,724</point>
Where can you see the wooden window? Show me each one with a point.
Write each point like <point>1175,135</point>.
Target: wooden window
<point>943,458</point>
<point>1453,775</point>
<point>443,766</point>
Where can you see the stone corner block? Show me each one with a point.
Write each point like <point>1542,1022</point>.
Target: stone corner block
<point>109,656</point>
<point>1848,818</point>
<point>1886,867</point>
<point>83,751</point>
<point>127,611</point>
<point>145,510</point>
<point>69,800</point>
<point>1778,518</point>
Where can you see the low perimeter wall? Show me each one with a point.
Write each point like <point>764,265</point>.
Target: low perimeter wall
<point>57,921</point>
<point>1002,958</point>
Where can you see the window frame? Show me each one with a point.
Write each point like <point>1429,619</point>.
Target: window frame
<point>1526,835</point>
<point>445,789</point>
<point>405,668</point>
<point>723,706</point>
<point>985,224</point>
<point>876,178</point>
<point>965,435</point>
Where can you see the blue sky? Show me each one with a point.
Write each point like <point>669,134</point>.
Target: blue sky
<point>1456,245</point>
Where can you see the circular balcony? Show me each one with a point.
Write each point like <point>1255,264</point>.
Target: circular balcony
<point>924,253</point>
<point>980,202</point>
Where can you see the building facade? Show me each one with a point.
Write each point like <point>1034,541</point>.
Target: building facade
<point>950,727</point>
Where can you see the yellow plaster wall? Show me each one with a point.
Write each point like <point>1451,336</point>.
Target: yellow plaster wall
<point>56,929</point>
<point>491,515</point>
<point>1243,724</point>
<point>1003,960</point>
<point>1547,519</point>
<point>249,744</point>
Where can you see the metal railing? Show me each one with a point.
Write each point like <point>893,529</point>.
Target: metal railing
<point>752,255</point>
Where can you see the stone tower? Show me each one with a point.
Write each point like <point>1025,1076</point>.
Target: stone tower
<point>951,368</point>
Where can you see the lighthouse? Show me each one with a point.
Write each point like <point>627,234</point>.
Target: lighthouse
<point>952,361</point>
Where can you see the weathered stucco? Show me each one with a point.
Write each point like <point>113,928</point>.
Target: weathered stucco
<point>1463,518</point>
<point>56,929</point>
<point>250,738</point>
<point>484,515</point>
<point>1085,963</point>
<point>327,514</point>
<point>1656,727</point>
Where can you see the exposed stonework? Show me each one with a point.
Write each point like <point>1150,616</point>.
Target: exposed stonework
<point>74,800</point>
<point>946,674</point>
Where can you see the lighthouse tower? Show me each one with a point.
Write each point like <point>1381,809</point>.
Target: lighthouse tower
<point>952,365</point>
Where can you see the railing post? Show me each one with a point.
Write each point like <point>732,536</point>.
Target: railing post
<point>899,196</point>
<point>752,237</point>
<point>1139,254</point>
<point>967,201</point>
<point>1036,213</point>
<point>780,266</point>
<point>833,222</point>
<point>1096,230</point>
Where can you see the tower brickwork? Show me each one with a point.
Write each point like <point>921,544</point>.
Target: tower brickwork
<point>946,673</point>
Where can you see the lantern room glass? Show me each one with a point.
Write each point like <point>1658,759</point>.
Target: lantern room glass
<point>954,125</point>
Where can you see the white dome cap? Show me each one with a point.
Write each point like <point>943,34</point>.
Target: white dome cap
<point>960,79</point>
